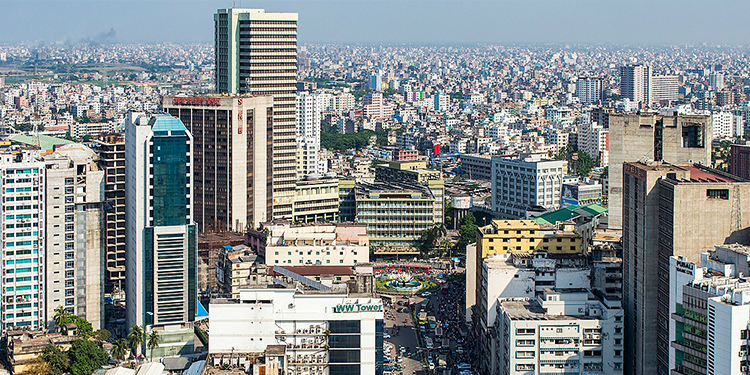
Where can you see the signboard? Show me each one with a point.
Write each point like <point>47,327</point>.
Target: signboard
<point>196,100</point>
<point>356,307</point>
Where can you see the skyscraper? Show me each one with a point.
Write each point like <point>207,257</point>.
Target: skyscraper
<point>161,237</point>
<point>670,210</point>
<point>677,139</point>
<point>590,89</point>
<point>256,53</point>
<point>635,83</point>
<point>232,158</point>
<point>111,151</point>
<point>309,107</point>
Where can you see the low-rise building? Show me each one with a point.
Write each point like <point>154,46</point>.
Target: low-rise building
<point>24,348</point>
<point>315,331</point>
<point>476,167</point>
<point>327,244</point>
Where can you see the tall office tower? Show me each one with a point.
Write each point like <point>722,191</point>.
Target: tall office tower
<point>309,107</point>
<point>670,210</point>
<point>23,227</point>
<point>716,80</point>
<point>665,88</point>
<point>232,158</point>
<point>590,89</point>
<point>74,240</point>
<point>677,139</point>
<point>111,151</point>
<point>635,83</point>
<point>161,236</point>
<point>376,81</point>
<point>256,53</point>
<point>519,184</point>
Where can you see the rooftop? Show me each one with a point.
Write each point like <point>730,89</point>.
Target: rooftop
<point>45,142</point>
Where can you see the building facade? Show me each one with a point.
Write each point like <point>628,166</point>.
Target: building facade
<point>519,184</point>
<point>161,242</point>
<point>309,107</point>
<point>327,332</point>
<point>256,53</point>
<point>111,151</point>
<point>677,139</point>
<point>233,158</point>
<point>318,244</point>
<point>590,90</point>
<point>635,83</point>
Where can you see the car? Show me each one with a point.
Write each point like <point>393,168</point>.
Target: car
<point>432,366</point>
<point>426,294</point>
<point>386,336</point>
<point>464,366</point>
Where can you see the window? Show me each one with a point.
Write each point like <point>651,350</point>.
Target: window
<point>717,194</point>
<point>524,354</point>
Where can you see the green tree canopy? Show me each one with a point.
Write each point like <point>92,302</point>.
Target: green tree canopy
<point>86,357</point>
<point>57,360</point>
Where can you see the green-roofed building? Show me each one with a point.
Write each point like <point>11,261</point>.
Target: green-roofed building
<point>45,142</point>
<point>586,219</point>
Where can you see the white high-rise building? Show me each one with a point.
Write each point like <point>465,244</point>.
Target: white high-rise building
<point>309,107</point>
<point>716,80</point>
<point>23,257</point>
<point>519,184</point>
<point>635,83</point>
<point>161,237</point>
<point>593,139</point>
<point>590,89</point>
<point>376,81</point>
<point>441,102</point>
<point>727,125</point>
<point>256,53</point>
<point>665,88</point>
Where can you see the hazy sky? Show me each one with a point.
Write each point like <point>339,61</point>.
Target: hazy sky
<point>393,21</point>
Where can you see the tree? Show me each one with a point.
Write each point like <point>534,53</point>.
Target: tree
<point>86,357</point>
<point>467,231</point>
<point>84,328</point>
<point>120,349</point>
<point>102,334</point>
<point>57,361</point>
<point>60,317</point>
<point>152,342</point>
<point>136,338</point>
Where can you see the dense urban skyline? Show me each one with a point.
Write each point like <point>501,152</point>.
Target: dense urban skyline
<point>446,22</point>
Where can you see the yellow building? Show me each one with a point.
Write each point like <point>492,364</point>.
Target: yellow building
<point>516,236</point>
<point>526,236</point>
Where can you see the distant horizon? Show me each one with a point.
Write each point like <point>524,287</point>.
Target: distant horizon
<point>388,22</point>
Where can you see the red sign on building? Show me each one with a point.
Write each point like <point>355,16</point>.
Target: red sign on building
<point>196,100</point>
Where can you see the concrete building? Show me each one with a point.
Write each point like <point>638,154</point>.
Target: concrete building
<point>74,243</point>
<point>581,193</point>
<point>416,173</point>
<point>476,167</point>
<point>727,125</point>
<point>161,241</point>
<point>590,90</point>
<point>677,139</point>
<point>375,107</point>
<point>739,161</point>
<point>327,244</point>
<point>569,331</point>
<point>635,83</point>
<point>670,210</point>
<point>709,311</point>
<point>376,81</point>
<point>519,184</point>
<point>396,214</point>
<point>24,255</point>
<point>316,201</point>
<point>593,139</point>
<point>665,88</point>
<point>94,130</point>
<point>232,162</point>
<point>309,107</point>
<point>256,53</point>
<point>111,152</point>
<point>514,236</point>
<point>325,331</point>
